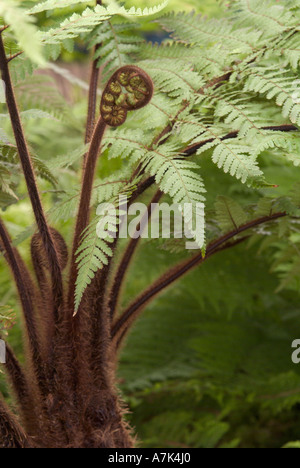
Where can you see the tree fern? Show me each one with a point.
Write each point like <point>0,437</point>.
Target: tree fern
<point>269,18</point>
<point>83,23</point>
<point>274,83</point>
<point>229,214</point>
<point>53,4</point>
<point>174,175</point>
<point>118,47</point>
<point>23,28</point>
<point>204,62</point>
<point>194,29</point>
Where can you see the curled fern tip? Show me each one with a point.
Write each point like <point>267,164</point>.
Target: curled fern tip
<point>130,88</point>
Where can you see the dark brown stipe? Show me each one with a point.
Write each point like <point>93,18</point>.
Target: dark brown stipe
<point>31,182</point>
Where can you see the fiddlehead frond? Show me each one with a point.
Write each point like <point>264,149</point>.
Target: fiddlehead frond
<point>139,91</point>
<point>130,88</point>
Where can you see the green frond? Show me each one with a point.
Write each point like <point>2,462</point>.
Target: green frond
<point>75,25</point>
<point>210,62</point>
<point>23,27</point>
<point>92,255</point>
<point>240,112</point>
<point>195,29</point>
<point>232,155</point>
<point>280,140</point>
<point>229,214</point>
<point>237,159</point>
<point>94,250</point>
<point>179,83</point>
<point>90,18</point>
<point>40,92</point>
<point>10,173</point>
<point>54,4</point>
<point>118,47</point>
<point>118,183</point>
<point>21,68</point>
<point>43,171</point>
<point>65,207</point>
<point>178,178</point>
<point>65,161</point>
<point>269,18</point>
<point>276,84</point>
<point>293,444</point>
<point>125,143</point>
<point>287,46</point>
<point>157,115</point>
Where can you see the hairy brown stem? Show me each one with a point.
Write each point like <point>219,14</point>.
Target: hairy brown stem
<point>11,433</point>
<point>27,306</point>
<point>30,180</point>
<point>20,388</point>
<point>132,312</point>
<point>126,259</point>
<point>85,200</point>
<point>192,149</point>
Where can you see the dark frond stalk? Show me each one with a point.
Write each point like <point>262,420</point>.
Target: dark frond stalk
<point>126,259</point>
<point>11,433</point>
<point>98,291</point>
<point>92,98</point>
<point>27,306</point>
<point>19,384</point>
<point>12,57</point>
<point>92,101</point>
<point>122,324</point>
<point>26,275</point>
<point>192,149</point>
<point>30,179</point>
<point>85,200</point>
<point>97,298</point>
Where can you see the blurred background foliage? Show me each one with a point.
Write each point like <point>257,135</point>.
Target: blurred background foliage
<point>209,363</point>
